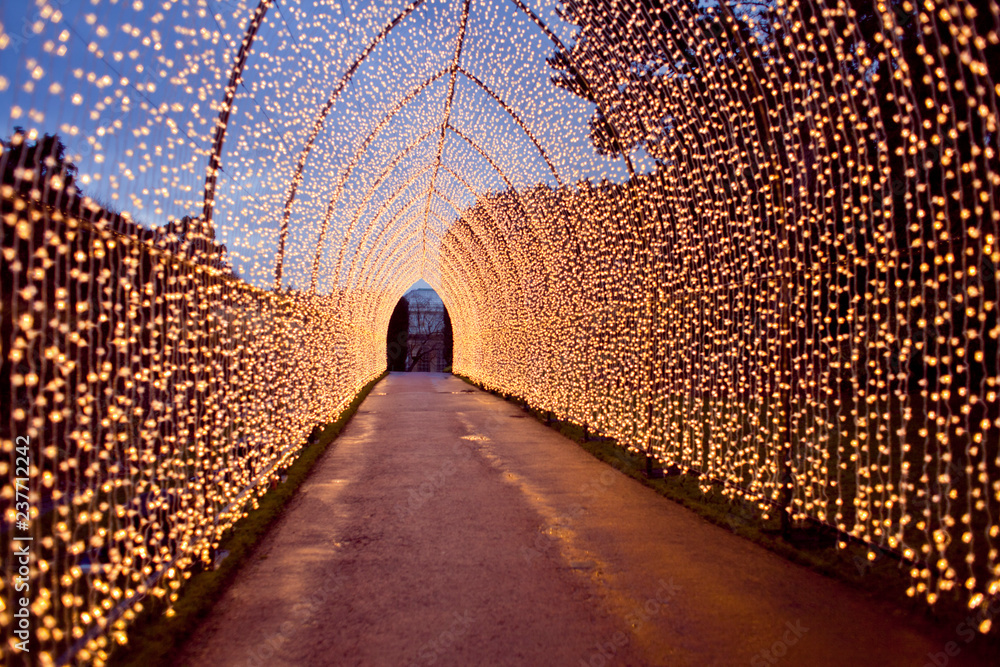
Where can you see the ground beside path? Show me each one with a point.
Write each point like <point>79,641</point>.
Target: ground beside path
<point>443,527</point>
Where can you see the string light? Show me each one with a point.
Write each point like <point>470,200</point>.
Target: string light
<point>757,241</point>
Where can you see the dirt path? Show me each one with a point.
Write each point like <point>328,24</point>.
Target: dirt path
<point>445,528</point>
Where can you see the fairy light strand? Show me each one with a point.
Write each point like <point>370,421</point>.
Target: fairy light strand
<point>758,241</point>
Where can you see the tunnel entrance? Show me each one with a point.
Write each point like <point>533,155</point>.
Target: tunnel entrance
<point>419,336</point>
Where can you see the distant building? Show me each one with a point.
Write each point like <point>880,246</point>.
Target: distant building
<point>425,343</point>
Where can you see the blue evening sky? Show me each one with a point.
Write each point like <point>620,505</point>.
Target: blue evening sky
<point>144,80</point>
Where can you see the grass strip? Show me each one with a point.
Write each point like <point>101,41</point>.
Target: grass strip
<point>154,638</point>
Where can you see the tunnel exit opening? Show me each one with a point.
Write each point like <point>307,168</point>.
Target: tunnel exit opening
<point>419,336</point>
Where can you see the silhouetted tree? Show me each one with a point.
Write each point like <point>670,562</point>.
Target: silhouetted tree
<point>626,57</point>
<point>426,335</point>
<point>39,165</point>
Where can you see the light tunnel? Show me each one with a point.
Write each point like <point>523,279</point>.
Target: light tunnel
<point>757,241</point>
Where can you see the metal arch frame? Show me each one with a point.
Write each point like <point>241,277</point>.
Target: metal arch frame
<point>380,271</point>
<point>462,269</point>
<point>468,186</point>
<point>346,174</point>
<point>476,267</point>
<point>456,61</point>
<point>406,259</point>
<point>396,161</point>
<point>391,243</point>
<point>517,119</point>
<point>359,209</point>
<point>392,265</point>
<point>414,200</point>
<point>318,125</point>
<point>497,268</point>
<point>381,126</point>
<point>395,289</point>
<point>384,230</point>
<point>438,215</point>
<point>451,276</point>
<point>461,179</point>
<point>464,264</point>
<point>488,159</point>
<point>463,246</point>
<point>385,298</point>
<point>395,217</point>
<point>510,185</point>
<point>562,203</point>
<point>440,195</point>
<point>474,235</point>
<point>399,191</point>
<point>392,200</point>
<point>236,76</point>
<point>401,280</point>
<point>555,40</point>
<point>463,302</point>
<point>505,108</point>
<point>455,69</point>
<point>458,307</point>
<point>489,211</point>
<point>378,183</point>
<point>471,262</point>
<point>226,108</point>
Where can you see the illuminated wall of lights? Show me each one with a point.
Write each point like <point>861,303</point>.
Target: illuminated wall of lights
<point>161,398</point>
<point>758,241</point>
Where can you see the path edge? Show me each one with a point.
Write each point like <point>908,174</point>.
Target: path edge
<point>154,637</point>
<point>878,580</point>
